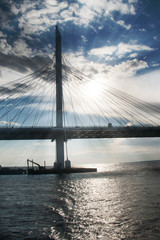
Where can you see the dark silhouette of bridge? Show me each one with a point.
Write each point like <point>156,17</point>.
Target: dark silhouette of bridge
<point>53,103</point>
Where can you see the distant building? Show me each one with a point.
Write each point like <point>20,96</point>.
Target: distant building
<point>110,125</point>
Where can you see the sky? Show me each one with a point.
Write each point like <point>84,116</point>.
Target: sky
<point>113,40</point>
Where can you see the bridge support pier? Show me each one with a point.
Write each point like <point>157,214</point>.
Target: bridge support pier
<point>59,152</point>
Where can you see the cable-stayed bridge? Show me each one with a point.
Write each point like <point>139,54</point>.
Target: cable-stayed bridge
<point>59,102</point>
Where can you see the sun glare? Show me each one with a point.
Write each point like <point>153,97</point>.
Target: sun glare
<point>93,89</point>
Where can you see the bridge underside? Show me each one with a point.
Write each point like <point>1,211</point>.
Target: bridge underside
<point>77,133</point>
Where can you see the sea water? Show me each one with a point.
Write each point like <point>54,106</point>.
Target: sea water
<point>120,202</point>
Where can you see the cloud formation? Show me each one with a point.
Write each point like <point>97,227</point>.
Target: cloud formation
<point>120,50</point>
<point>28,30</point>
<point>23,64</point>
<point>36,17</point>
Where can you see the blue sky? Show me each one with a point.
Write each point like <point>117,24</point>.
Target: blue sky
<point>113,40</point>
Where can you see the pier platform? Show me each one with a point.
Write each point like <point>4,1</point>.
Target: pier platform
<point>61,171</point>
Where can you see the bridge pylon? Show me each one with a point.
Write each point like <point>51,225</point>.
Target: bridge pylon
<point>59,103</point>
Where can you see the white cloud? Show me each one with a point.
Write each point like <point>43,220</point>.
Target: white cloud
<point>128,68</point>
<point>111,74</point>
<point>84,18</point>
<point>133,55</point>
<point>84,39</point>
<point>100,27</point>
<point>2,35</point>
<point>142,30</point>
<point>120,50</point>
<point>108,6</point>
<point>124,48</point>
<point>79,61</point>
<point>9,75</point>
<point>14,9</point>
<point>20,48</point>
<point>145,86</point>
<point>132,1</point>
<point>122,23</point>
<point>82,12</point>
<point>5,47</point>
<point>118,5</point>
<point>155,65</point>
<point>109,58</point>
<point>155,38</point>
<point>106,50</point>
<point>38,20</point>
<point>22,7</point>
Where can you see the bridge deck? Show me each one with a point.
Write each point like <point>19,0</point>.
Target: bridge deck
<point>28,133</point>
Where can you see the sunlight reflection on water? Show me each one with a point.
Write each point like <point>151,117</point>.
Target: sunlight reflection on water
<point>121,203</point>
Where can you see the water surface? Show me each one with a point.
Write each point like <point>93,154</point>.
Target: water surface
<point>121,203</point>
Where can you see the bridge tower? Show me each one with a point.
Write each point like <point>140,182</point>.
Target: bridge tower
<point>59,102</point>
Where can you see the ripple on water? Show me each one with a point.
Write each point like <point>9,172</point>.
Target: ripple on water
<point>119,204</point>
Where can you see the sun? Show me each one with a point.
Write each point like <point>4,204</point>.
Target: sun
<point>93,89</point>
